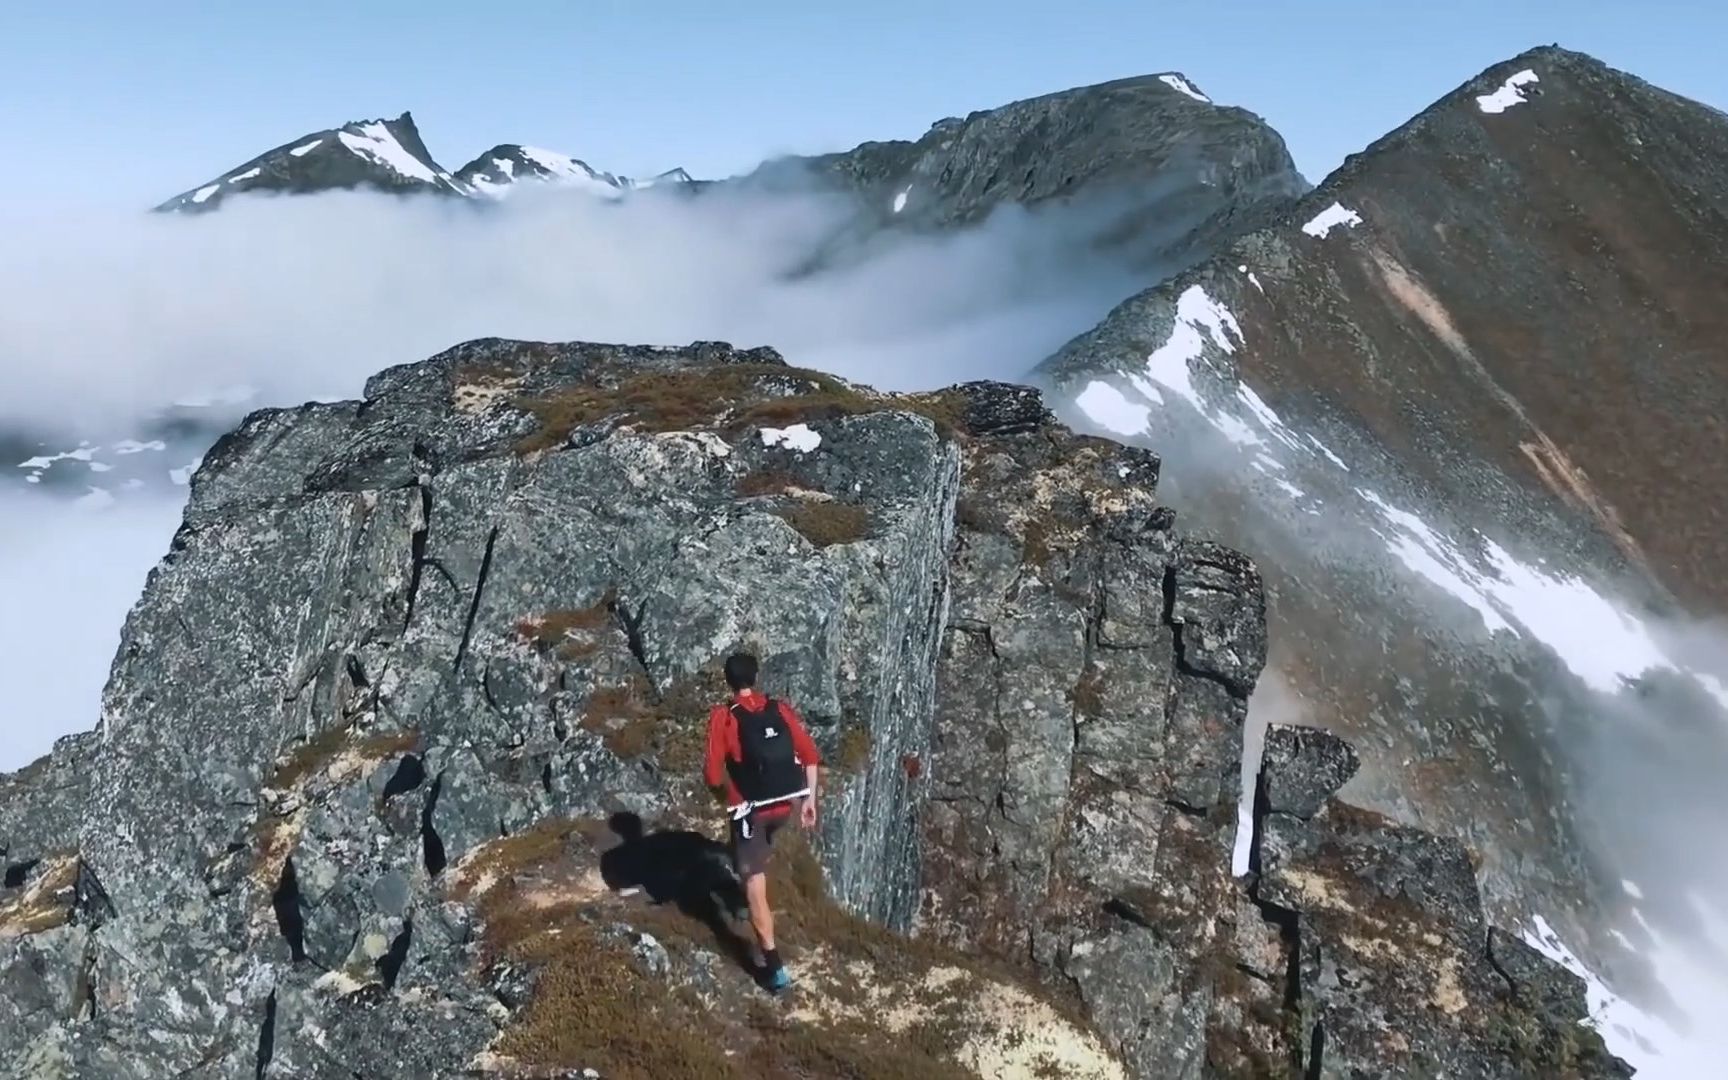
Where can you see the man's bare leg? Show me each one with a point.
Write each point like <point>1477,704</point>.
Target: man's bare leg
<point>761,915</point>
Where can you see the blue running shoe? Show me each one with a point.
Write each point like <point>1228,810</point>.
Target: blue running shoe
<point>778,981</point>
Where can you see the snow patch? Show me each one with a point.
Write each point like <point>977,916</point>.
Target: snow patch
<point>1659,1048</point>
<point>799,437</point>
<point>1329,455</point>
<point>1430,555</point>
<point>1330,218</point>
<point>1255,281</point>
<point>84,453</point>
<point>306,148</point>
<point>375,143</point>
<point>247,175</point>
<point>1111,409</point>
<point>1178,83</point>
<point>1510,93</point>
<point>1196,314</point>
<point>132,446</point>
<point>205,192</point>
<point>1602,645</point>
<point>900,200</point>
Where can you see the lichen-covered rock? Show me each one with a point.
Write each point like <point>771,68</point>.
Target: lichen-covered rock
<point>1301,768</point>
<point>398,772</point>
<point>1393,966</point>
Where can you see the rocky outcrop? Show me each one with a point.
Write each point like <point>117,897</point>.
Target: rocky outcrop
<point>1427,399</point>
<point>1384,946</point>
<point>397,773</point>
<point>1164,173</point>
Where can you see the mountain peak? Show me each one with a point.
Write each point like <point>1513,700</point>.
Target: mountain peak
<point>378,154</point>
<point>389,155</point>
<point>1180,83</point>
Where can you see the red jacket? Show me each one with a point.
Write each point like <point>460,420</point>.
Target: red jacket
<point>723,747</point>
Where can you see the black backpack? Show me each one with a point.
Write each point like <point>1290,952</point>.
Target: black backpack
<point>769,768</point>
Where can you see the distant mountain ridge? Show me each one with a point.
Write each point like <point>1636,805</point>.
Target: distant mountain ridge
<point>390,156</point>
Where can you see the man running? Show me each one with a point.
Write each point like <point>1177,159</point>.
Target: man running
<point>762,764</point>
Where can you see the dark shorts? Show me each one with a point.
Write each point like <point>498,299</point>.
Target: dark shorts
<point>750,853</point>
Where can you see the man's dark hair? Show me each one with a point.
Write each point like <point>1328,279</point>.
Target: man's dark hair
<point>740,671</point>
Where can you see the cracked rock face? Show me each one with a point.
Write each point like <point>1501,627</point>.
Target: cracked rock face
<point>412,659</point>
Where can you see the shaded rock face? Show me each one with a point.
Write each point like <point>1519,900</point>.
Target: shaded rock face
<point>1461,401</point>
<point>1168,176</point>
<point>381,155</point>
<point>1384,947</point>
<point>411,656</point>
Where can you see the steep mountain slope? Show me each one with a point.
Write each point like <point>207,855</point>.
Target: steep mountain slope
<point>383,155</point>
<point>397,773</point>
<point>1170,174</point>
<point>1464,404</point>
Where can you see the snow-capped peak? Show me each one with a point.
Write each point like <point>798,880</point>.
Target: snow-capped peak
<point>385,155</point>
<point>495,172</point>
<point>375,142</point>
<point>390,156</point>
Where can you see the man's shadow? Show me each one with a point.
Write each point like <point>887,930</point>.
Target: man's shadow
<point>685,869</point>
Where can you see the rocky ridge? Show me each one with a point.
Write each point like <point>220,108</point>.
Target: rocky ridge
<point>1466,385</point>
<point>396,768</point>
<point>1162,172</point>
<point>390,156</point>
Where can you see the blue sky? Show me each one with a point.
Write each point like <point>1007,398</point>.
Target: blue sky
<point>128,103</point>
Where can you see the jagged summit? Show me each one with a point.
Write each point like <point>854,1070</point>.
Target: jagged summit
<point>1169,175</point>
<point>495,172</point>
<point>390,156</point>
<point>384,155</point>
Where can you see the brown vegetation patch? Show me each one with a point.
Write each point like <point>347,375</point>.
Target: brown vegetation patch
<point>336,747</point>
<point>690,400</point>
<point>592,1006</point>
<point>636,722</point>
<point>945,408</point>
<point>46,901</point>
<point>1087,695</point>
<point>826,524</point>
<point>870,1005</point>
<point>855,744</point>
<point>734,397</point>
<point>979,515</point>
<point>571,634</point>
<point>1036,547</point>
